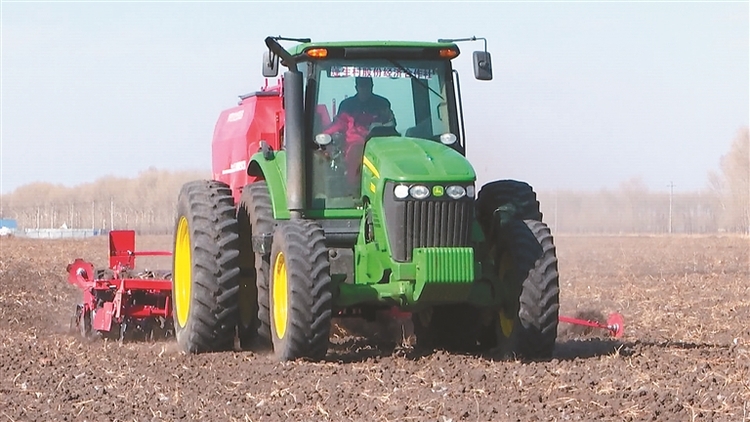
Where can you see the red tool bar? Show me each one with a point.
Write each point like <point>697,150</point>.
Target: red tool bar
<point>615,323</point>
<point>145,284</point>
<point>583,322</point>
<point>151,253</point>
<point>134,284</point>
<point>145,311</point>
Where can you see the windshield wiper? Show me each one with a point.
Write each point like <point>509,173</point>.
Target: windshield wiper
<point>413,76</point>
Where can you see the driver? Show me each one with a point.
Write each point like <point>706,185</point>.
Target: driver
<point>356,116</point>
<point>366,107</point>
<point>360,113</point>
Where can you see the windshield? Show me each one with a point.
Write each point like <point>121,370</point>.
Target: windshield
<point>415,90</point>
<point>358,100</point>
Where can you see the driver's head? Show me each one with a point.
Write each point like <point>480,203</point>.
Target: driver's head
<point>363,87</point>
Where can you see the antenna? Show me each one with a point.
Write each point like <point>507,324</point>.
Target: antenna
<point>302,40</point>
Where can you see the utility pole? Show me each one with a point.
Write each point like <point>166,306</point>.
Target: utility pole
<point>671,193</point>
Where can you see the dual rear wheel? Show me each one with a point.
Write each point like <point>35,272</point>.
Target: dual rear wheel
<point>256,226</point>
<point>205,281</point>
<point>525,260</point>
<point>228,283</point>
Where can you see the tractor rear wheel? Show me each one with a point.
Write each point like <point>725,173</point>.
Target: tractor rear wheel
<point>504,200</point>
<point>300,291</point>
<point>256,222</point>
<point>526,327</point>
<point>205,269</point>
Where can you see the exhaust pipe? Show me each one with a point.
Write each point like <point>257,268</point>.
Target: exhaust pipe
<point>294,142</point>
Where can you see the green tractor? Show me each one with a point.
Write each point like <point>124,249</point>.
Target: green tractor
<point>325,203</point>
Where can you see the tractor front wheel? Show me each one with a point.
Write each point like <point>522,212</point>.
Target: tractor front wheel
<point>526,327</point>
<point>300,291</point>
<point>205,269</point>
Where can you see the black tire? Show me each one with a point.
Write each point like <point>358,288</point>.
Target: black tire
<point>300,291</point>
<point>453,327</point>
<point>205,268</point>
<point>84,324</point>
<point>255,217</point>
<point>527,261</point>
<point>505,200</point>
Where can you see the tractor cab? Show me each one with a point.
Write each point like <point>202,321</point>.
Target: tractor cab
<point>352,101</point>
<point>355,92</point>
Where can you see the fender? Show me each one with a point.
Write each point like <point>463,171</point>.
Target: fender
<point>272,168</point>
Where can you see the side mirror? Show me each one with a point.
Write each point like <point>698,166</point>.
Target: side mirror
<point>270,65</point>
<point>482,65</point>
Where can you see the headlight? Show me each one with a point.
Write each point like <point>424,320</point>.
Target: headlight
<point>401,191</point>
<point>455,191</point>
<point>323,139</point>
<point>448,138</point>
<point>470,191</point>
<point>419,192</point>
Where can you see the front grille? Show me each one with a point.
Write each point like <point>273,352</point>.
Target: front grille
<point>427,223</point>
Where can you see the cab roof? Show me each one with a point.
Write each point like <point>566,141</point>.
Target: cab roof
<point>374,45</point>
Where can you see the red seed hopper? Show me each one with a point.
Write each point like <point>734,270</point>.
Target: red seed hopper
<point>120,300</point>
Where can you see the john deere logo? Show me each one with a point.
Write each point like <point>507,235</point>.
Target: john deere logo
<point>437,191</point>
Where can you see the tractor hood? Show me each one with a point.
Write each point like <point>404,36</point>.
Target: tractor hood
<point>414,160</point>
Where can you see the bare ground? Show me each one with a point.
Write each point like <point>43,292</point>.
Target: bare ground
<point>685,354</point>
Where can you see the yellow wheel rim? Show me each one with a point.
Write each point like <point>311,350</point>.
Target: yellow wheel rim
<point>279,297</point>
<point>504,268</point>
<point>506,263</point>
<point>182,272</point>
<point>506,324</point>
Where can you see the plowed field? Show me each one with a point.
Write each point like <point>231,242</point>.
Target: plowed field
<point>685,354</point>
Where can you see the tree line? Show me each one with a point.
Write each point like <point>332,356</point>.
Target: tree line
<point>145,203</point>
<point>632,209</point>
<point>148,202</point>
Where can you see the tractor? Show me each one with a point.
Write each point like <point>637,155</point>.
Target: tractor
<point>319,207</point>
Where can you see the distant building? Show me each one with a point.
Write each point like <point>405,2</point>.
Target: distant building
<point>61,233</point>
<point>8,227</point>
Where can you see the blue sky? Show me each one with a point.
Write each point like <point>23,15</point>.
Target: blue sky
<point>586,95</point>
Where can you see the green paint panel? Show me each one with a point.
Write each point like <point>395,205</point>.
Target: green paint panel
<point>396,293</point>
<point>274,171</point>
<point>413,159</point>
<point>334,213</point>
<point>443,274</point>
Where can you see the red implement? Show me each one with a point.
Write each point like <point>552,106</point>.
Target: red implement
<point>615,324</point>
<point>238,134</point>
<point>121,296</point>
